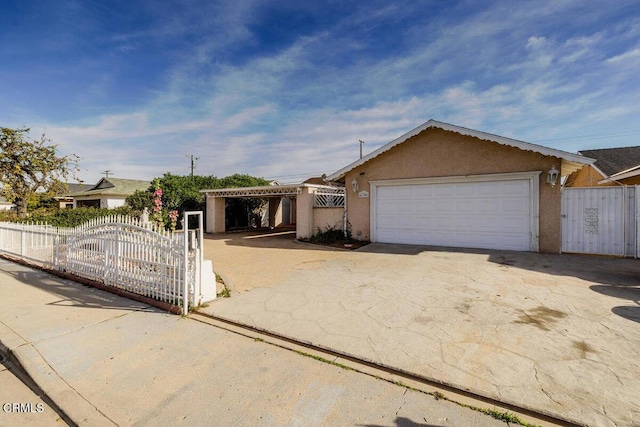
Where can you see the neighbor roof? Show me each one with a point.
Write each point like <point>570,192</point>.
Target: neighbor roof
<point>78,188</point>
<point>612,161</point>
<point>570,162</point>
<point>116,187</point>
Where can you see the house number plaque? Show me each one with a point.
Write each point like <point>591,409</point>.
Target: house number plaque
<point>363,194</point>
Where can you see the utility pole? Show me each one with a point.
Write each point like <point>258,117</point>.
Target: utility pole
<point>106,173</point>
<point>193,162</point>
<point>361,144</point>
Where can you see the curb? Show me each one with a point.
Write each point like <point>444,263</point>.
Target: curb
<point>60,396</point>
<point>66,400</point>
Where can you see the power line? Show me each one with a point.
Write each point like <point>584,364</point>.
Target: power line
<point>587,137</point>
<point>309,174</point>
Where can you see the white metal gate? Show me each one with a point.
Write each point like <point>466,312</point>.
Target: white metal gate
<point>601,220</point>
<point>121,252</point>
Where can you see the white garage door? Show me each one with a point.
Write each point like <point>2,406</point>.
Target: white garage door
<point>489,214</point>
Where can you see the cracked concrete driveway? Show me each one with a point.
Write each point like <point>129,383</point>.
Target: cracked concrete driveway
<point>559,334</point>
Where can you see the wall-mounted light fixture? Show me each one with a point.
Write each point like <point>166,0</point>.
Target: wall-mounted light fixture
<point>552,176</point>
<point>354,185</point>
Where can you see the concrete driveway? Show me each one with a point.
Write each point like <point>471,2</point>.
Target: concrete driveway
<point>559,334</point>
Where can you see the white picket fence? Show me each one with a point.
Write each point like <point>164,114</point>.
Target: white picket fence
<point>118,251</point>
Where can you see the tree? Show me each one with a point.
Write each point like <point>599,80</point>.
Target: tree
<point>182,193</point>
<point>31,166</point>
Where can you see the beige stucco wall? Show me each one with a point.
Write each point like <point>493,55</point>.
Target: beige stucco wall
<point>325,218</point>
<point>215,215</point>
<point>304,214</point>
<point>275,211</point>
<point>437,153</point>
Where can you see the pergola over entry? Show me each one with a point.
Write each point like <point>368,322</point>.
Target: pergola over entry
<point>300,210</point>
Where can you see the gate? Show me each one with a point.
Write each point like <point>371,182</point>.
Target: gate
<point>121,252</point>
<point>601,220</point>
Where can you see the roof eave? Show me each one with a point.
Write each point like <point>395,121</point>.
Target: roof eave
<point>629,173</point>
<point>263,190</point>
<point>570,162</point>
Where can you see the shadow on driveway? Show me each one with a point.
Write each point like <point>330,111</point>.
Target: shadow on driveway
<point>616,277</point>
<point>279,238</point>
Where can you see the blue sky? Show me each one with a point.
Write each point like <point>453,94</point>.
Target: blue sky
<point>285,89</point>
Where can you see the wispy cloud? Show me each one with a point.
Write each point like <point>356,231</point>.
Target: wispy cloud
<point>221,81</point>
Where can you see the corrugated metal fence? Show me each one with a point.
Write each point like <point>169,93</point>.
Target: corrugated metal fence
<point>601,220</point>
<point>118,251</point>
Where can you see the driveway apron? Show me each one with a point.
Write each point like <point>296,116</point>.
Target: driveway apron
<point>558,334</point>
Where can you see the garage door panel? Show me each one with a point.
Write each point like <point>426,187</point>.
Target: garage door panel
<point>491,215</point>
<point>515,206</point>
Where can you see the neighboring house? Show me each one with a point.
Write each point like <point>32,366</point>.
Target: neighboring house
<point>5,205</point>
<point>446,185</point>
<point>66,200</point>
<point>109,193</point>
<point>613,166</point>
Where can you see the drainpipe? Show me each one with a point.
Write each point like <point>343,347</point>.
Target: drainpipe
<point>344,214</point>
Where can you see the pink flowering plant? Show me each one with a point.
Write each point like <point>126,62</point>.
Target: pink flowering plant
<point>157,206</point>
<point>173,219</point>
<point>160,214</point>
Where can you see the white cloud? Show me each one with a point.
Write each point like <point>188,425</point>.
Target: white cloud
<point>537,43</point>
<point>505,69</point>
<point>630,57</point>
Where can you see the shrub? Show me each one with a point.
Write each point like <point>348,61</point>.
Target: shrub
<point>329,235</point>
<point>75,217</point>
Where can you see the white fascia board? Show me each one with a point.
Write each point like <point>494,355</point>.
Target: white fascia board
<point>629,173</point>
<point>566,156</point>
<point>265,189</point>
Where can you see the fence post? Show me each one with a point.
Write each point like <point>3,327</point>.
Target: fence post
<point>22,241</point>
<point>185,292</point>
<point>56,242</point>
<point>117,253</point>
<point>200,255</point>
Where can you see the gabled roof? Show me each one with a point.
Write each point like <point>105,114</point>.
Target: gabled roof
<point>116,187</point>
<point>73,189</point>
<point>613,161</point>
<point>316,180</point>
<point>570,162</point>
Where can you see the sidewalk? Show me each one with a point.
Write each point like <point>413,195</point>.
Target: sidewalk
<point>105,360</point>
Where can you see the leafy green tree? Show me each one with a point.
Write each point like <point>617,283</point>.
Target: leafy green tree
<point>140,200</point>
<point>31,166</point>
<point>182,193</point>
<point>242,180</point>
